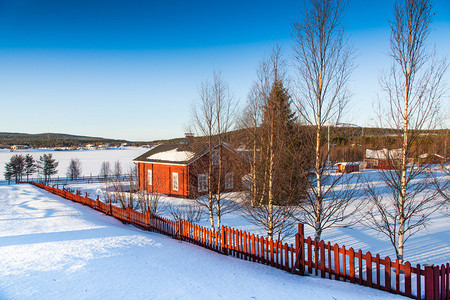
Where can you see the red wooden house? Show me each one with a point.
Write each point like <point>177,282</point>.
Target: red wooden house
<point>182,169</point>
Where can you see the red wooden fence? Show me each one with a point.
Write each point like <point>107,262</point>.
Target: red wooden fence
<point>306,256</point>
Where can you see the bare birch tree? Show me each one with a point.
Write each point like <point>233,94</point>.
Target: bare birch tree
<point>117,169</point>
<point>324,64</point>
<point>212,118</point>
<point>149,199</point>
<point>74,169</point>
<point>191,212</point>
<point>414,89</point>
<point>105,170</point>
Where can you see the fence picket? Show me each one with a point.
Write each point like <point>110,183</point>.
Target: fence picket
<point>387,274</point>
<point>397,276</point>
<point>344,265</point>
<point>336,262</point>
<point>377,278</point>
<point>408,279</point>
<point>330,272</point>
<point>351,255</point>
<point>369,269</point>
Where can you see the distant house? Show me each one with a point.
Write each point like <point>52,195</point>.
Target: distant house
<point>435,158</point>
<point>181,169</point>
<point>17,147</point>
<point>383,158</point>
<point>91,147</point>
<point>347,167</point>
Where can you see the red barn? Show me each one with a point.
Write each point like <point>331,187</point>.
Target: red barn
<point>181,169</point>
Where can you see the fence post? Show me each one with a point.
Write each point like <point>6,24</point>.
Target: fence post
<point>301,229</point>
<point>299,253</point>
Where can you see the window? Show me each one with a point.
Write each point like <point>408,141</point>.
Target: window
<point>215,157</point>
<point>175,181</point>
<point>202,183</point>
<point>229,181</point>
<point>150,177</point>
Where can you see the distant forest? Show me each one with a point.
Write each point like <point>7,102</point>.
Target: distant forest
<point>8,139</point>
<point>347,143</point>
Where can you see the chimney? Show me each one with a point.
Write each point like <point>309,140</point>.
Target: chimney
<point>189,137</point>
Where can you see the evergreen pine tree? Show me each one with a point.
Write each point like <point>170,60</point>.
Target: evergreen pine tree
<point>288,182</point>
<point>16,165</point>
<point>8,172</point>
<point>30,166</point>
<point>279,104</point>
<point>47,166</point>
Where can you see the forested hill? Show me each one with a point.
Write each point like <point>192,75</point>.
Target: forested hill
<point>51,139</point>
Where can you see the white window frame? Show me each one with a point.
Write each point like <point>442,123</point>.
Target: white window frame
<point>150,177</point>
<point>175,181</point>
<point>229,183</point>
<point>202,182</point>
<point>215,157</point>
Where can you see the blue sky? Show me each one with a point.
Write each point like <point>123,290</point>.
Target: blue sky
<point>131,69</point>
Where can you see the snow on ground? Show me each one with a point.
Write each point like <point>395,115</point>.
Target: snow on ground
<point>91,160</point>
<point>52,248</point>
<point>429,246</point>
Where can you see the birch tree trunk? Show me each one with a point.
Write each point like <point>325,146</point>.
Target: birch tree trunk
<point>324,64</point>
<point>413,90</point>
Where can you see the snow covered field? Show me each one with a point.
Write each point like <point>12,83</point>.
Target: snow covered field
<point>52,248</point>
<point>430,246</point>
<point>91,160</point>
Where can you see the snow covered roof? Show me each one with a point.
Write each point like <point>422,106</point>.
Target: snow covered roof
<point>174,155</point>
<point>356,163</point>
<point>383,153</point>
<point>181,154</point>
<point>426,155</point>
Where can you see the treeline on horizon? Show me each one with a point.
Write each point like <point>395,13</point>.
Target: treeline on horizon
<point>347,143</point>
<point>40,140</point>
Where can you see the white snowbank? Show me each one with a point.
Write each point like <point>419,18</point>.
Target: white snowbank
<point>52,248</point>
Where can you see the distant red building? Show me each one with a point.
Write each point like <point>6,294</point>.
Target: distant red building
<point>383,158</point>
<point>181,169</point>
<point>347,167</point>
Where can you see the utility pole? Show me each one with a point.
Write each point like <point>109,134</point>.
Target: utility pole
<point>328,145</point>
